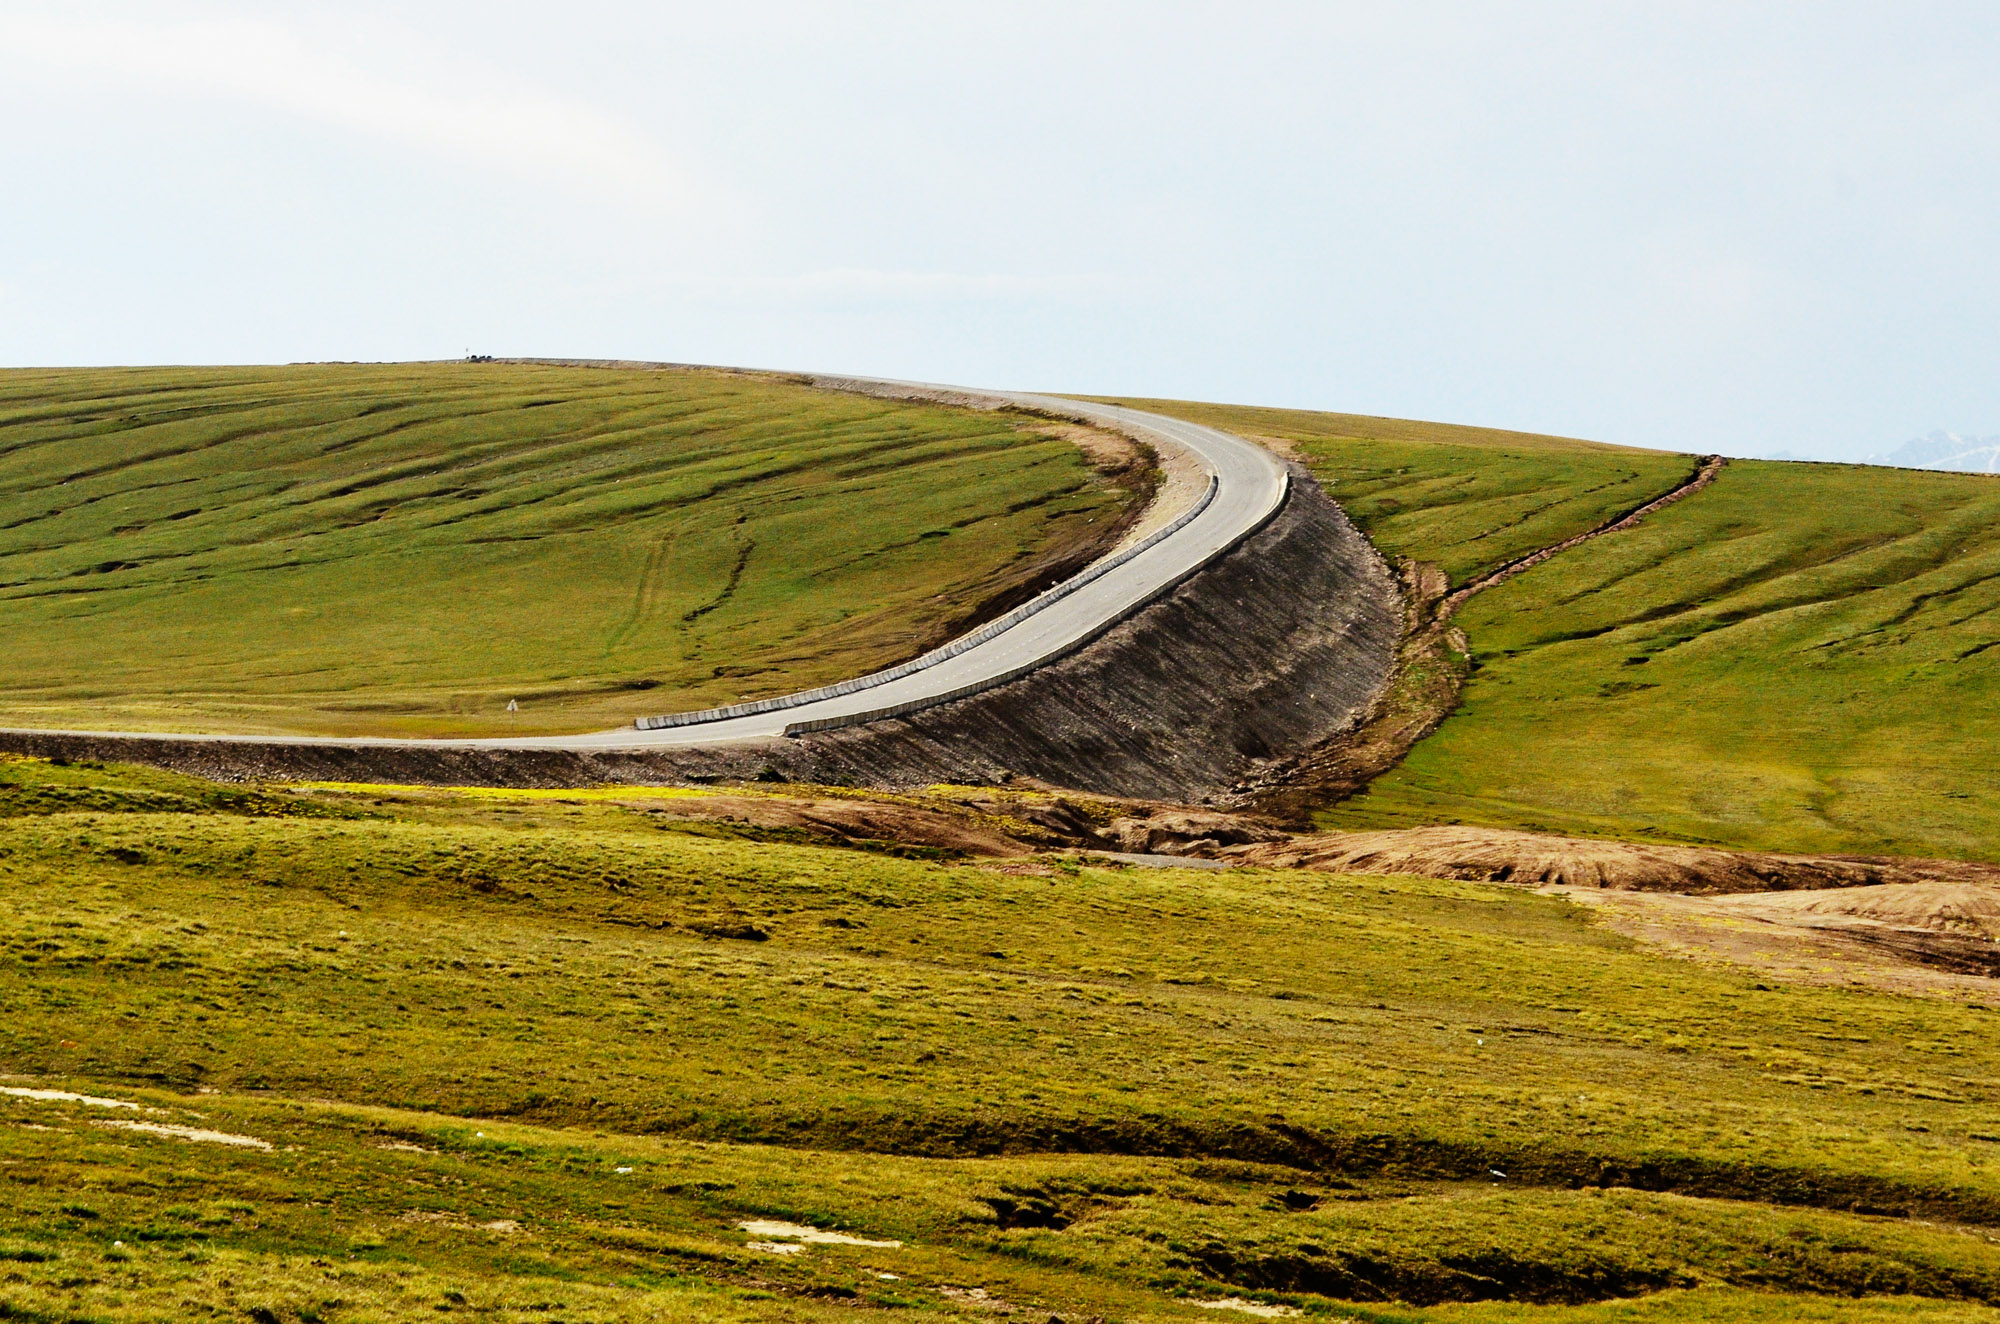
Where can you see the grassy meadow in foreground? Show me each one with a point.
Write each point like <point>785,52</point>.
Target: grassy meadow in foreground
<point>403,549</point>
<point>525,1056</point>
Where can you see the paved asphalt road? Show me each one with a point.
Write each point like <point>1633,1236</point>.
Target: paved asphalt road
<point>1250,485</point>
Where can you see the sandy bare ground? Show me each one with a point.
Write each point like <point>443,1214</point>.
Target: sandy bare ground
<point>1249,1307</point>
<point>63,1096</point>
<point>1964,909</point>
<point>1905,925</point>
<point>438,1218</point>
<point>801,1232</point>
<point>1767,934</point>
<point>195,1133</point>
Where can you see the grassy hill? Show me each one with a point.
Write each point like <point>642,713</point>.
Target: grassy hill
<point>1799,657</point>
<point>404,549</point>
<point>320,1055</point>
<point>520,1054</point>
<point>1464,498</point>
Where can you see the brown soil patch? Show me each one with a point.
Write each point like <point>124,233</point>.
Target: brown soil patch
<point>842,822</point>
<point>1964,909</point>
<point>1903,925</point>
<point>1141,829</point>
<point>994,823</point>
<point>1497,855</point>
<point>1793,947</point>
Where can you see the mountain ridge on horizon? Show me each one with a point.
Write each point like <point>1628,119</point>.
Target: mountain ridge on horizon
<point>1938,449</point>
<point>1941,449</point>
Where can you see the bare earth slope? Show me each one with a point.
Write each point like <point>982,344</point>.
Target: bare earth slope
<point>1497,855</point>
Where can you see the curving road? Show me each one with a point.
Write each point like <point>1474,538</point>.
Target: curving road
<point>1248,484</point>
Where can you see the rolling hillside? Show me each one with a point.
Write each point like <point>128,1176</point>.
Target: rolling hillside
<point>402,550</point>
<point>345,1052</point>
<point>1466,499</point>
<point>1800,657</point>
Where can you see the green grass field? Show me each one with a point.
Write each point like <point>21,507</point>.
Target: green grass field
<point>535,1058</point>
<point>402,550</point>
<point>1800,657</point>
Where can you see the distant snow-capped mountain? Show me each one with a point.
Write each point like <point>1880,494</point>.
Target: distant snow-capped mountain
<point>1945,450</point>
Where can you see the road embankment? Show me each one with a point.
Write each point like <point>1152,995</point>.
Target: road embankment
<point>1279,644</point>
<point>1269,650</point>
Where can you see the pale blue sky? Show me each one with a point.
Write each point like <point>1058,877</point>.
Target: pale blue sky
<point>1734,226</point>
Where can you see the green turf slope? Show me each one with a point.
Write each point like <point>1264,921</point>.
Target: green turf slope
<point>1801,657</point>
<point>1467,499</point>
<point>529,1052</point>
<point>404,549</point>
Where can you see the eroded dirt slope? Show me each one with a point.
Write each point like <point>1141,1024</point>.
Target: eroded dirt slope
<point>1499,855</point>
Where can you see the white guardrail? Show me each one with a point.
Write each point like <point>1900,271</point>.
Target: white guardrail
<point>1000,625</point>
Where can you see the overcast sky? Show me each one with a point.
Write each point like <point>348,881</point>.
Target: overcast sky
<point>1737,226</point>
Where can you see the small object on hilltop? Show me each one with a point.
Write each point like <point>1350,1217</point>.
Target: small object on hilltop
<point>513,705</point>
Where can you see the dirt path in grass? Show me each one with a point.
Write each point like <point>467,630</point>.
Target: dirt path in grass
<point>1710,466</point>
<point>1432,662</point>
